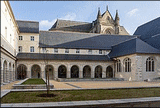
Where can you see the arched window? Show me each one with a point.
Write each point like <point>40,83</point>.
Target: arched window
<point>127,65</point>
<point>118,66</point>
<point>150,65</point>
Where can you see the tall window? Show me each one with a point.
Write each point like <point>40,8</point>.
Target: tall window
<point>77,50</point>
<point>118,66</point>
<point>150,65</point>
<point>20,37</point>
<point>127,65</point>
<point>31,48</point>
<point>100,51</point>
<point>32,38</point>
<point>55,50</point>
<point>66,50</point>
<point>89,51</point>
<point>20,48</point>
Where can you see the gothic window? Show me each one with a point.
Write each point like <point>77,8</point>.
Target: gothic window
<point>127,65</point>
<point>118,66</point>
<point>150,65</point>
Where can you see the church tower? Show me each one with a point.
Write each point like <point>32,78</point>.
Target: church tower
<point>105,24</point>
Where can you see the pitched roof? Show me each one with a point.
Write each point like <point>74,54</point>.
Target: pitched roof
<point>132,46</point>
<point>149,29</point>
<point>154,41</point>
<point>67,25</point>
<point>41,56</point>
<point>51,38</point>
<point>92,42</point>
<point>28,26</point>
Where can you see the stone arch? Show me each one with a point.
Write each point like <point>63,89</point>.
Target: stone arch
<point>109,72</point>
<point>98,71</point>
<point>50,69</point>
<point>74,71</point>
<point>87,71</point>
<point>35,71</point>
<point>5,71</point>
<point>109,31</point>
<point>62,70</point>
<point>21,71</point>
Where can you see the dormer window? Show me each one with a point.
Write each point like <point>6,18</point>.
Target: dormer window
<point>32,38</point>
<point>20,37</point>
<point>100,51</point>
<point>55,50</point>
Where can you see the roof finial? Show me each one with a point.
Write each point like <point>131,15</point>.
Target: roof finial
<point>107,8</point>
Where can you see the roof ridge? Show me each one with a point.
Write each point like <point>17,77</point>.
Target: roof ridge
<point>27,21</point>
<point>73,21</point>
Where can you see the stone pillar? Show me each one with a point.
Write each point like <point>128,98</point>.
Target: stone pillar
<point>113,71</point>
<point>103,72</point>
<point>7,73</point>
<point>68,72</point>
<point>92,71</point>
<point>55,72</point>
<point>43,71</point>
<point>1,74</point>
<point>29,71</point>
<point>80,72</point>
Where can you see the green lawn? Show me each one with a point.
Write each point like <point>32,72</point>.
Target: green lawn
<point>80,95</point>
<point>34,81</point>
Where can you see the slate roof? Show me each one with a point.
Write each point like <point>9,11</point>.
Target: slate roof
<point>132,46</point>
<point>41,56</point>
<point>67,25</point>
<point>149,29</point>
<point>154,41</point>
<point>51,38</point>
<point>92,42</point>
<point>28,26</point>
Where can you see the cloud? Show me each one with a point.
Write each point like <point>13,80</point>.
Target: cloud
<point>46,24</point>
<point>132,12</point>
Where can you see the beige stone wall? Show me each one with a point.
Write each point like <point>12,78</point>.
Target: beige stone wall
<point>68,64</point>
<point>73,51</point>
<point>26,42</point>
<point>138,67</point>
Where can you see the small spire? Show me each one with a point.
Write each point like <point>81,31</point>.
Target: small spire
<point>117,18</point>
<point>99,13</point>
<point>107,8</point>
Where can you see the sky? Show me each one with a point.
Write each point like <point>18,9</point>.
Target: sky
<point>132,13</point>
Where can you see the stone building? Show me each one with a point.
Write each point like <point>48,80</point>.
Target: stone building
<point>71,49</point>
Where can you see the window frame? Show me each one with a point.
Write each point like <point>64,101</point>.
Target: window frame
<point>118,64</point>
<point>127,65</point>
<point>66,50</point>
<point>20,37</point>
<point>32,38</point>
<point>19,49</point>
<point>77,51</point>
<point>55,50</point>
<point>100,51</point>
<point>32,49</point>
<point>150,64</point>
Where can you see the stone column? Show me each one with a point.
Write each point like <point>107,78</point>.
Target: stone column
<point>92,71</point>
<point>80,72</point>
<point>43,71</point>
<point>1,74</point>
<point>7,73</point>
<point>103,72</point>
<point>68,71</point>
<point>55,72</point>
<point>29,71</point>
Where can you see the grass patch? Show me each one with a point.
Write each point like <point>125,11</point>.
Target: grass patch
<point>79,95</point>
<point>34,81</point>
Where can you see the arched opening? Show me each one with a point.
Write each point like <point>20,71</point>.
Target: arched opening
<point>5,71</point>
<point>127,65</point>
<point>36,70</point>
<point>74,72</point>
<point>87,72</point>
<point>98,72</point>
<point>49,68</point>
<point>62,70</point>
<point>10,72</point>
<point>21,72</point>
<point>109,72</point>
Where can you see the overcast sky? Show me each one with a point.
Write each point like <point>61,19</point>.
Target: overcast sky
<point>132,13</point>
